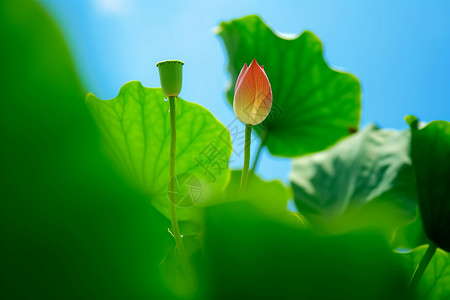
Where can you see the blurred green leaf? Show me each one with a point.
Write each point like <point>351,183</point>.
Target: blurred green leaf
<point>136,131</point>
<point>71,228</point>
<point>313,105</point>
<point>410,236</point>
<point>365,180</point>
<point>252,257</point>
<point>268,197</point>
<point>435,281</point>
<point>431,160</point>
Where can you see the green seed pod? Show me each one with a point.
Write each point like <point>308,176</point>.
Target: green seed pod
<point>430,153</point>
<point>170,74</point>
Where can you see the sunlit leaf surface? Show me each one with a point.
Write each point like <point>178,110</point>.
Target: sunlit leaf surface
<point>435,281</point>
<point>136,131</point>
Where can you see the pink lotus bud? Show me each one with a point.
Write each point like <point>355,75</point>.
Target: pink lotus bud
<point>252,94</point>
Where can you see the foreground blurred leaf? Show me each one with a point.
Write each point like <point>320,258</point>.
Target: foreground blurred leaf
<point>365,180</point>
<point>435,281</point>
<point>431,159</point>
<point>313,105</point>
<point>136,131</point>
<point>70,227</point>
<point>250,257</point>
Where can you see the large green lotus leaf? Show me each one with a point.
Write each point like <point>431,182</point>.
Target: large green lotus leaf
<point>435,281</point>
<point>365,180</point>
<point>431,158</point>
<point>136,131</point>
<point>313,107</point>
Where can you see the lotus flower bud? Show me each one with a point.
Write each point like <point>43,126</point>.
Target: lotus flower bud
<point>252,95</point>
<point>170,74</point>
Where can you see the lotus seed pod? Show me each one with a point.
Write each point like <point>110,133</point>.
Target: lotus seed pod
<point>170,74</point>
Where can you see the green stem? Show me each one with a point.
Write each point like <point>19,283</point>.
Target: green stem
<point>244,177</point>
<point>173,141</point>
<point>422,266</point>
<point>185,277</point>
<point>258,153</point>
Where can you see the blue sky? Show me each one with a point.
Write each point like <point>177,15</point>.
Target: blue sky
<point>399,50</point>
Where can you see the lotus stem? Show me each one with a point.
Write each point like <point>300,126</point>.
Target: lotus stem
<point>422,266</point>
<point>244,177</point>
<point>173,141</point>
